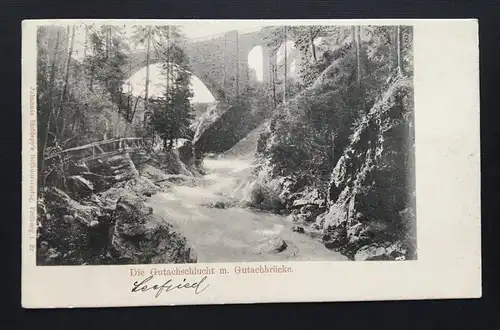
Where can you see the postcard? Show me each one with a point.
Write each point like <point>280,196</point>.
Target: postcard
<point>180,162</point>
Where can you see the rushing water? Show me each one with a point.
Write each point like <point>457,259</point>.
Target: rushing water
<point>233,233</point>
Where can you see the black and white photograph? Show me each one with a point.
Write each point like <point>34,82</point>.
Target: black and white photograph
<point>201,143</point>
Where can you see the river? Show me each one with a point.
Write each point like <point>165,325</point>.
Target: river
<point>233,234</point>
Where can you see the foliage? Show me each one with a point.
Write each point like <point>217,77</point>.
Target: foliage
<point>108,58</point>
<point>77,100</point>
<point>172,114</point>
<point>310,131</point>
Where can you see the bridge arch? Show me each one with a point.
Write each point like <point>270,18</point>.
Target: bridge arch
<point>137,64</point>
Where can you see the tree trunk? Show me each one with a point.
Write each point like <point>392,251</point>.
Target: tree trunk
<point>107,31</point>
<point>355,36</point>
<point>105,135</point>
<point>64,95</point>
<point>47,60</point>
<point>92,68</point>
<point>68,66</point>
<point>68,40</point>
<point>286,66</point>
<point>85,43</point>
<point>146,88</point>
<point>398,49</point>
<point>313,47</point>
<point>51,98</point>
<point>237,66</point>
<point>272,75</point>
<point>168,62</point>
<point>224,65</point>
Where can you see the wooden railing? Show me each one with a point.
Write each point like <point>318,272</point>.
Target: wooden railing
<point>100,149</point>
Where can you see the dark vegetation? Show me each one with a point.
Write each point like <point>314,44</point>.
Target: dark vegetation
<point>339,148</point>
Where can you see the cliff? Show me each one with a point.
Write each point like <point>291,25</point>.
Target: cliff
<point>371,197</point>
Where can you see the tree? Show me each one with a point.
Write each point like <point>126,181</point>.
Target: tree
<point>237,64</point>
<point>153,38</point>
<point>143,35</point>
<point>397,44</point>
<point>357,46</point>
<point>172,113</point>
<point>146,87</point>
<point>277,37</point>
<point>312,36</point>
<point>49,104</point>
<point>66,78</point>
<point>272,67</point>
<point>304,38</point>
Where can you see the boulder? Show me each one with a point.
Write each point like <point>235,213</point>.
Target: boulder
<point>298,229</point>
<point>107,200</point>
<point>298,203</point>
<point>265,198</point>
<point>153,173</point>
<point>99,182</point>
<point>335,238</point>
<point>386,251</point>
<point>78,187</point>
<point>141,238</point>
<point>142,186</point>
<point>273,245</point>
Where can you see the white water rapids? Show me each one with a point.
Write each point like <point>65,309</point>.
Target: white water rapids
<point>232,234</point>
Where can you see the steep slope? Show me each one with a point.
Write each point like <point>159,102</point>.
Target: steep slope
<point>371,202</point>
<point>247,147</point>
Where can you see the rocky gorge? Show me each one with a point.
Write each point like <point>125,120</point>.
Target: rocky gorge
<point>319,167</point>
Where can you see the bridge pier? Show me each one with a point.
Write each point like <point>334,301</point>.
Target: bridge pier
<point>266,63</point>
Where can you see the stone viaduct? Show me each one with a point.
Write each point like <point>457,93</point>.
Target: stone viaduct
<point>220,61</point>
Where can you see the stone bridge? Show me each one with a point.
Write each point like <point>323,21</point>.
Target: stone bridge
<point>219,61</point>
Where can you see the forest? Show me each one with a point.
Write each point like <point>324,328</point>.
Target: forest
<point>82,99</point>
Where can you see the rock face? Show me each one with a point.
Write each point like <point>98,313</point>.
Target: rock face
<point>101,218</point>
<point>68,231</point>
<point>371,194</point>
<point>218,133</point>
<point>222,128</point>
<point>120,167</point>
<point>139,238</point>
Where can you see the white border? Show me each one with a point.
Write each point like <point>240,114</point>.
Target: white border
<point>448,198</point>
